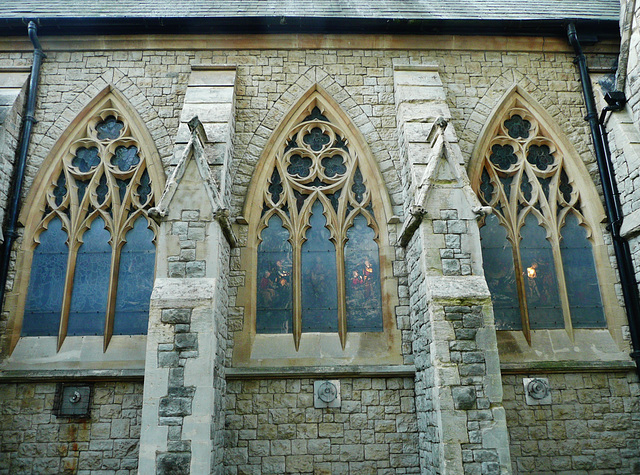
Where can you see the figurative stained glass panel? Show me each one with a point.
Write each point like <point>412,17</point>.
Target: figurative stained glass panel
<point>499,271</point>
<point>274,309</point>
<point>135,281</point>
<point>319,284</point>
<point>91,282</point>
<point>540,282</point>
<point>362,278</point>
<point>46,284</point>
<point>580,276</point>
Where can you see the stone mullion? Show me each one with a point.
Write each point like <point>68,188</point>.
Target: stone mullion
<point>74,245</point>
<point>77,216</point>
<point>522,294</point>
<point>296,291</point>
<point>562,284</point>
<point>336,222</point>
<point>113,287</point>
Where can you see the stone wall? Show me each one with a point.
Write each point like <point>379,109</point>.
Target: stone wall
<point>592,425</point>
<point>33,440</point>
<point>13,87</point>
<point>273,427</point>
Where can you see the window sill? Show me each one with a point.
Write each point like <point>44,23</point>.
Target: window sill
<point>79,356</point>
<point>361,371</point>
<point>555,346</point>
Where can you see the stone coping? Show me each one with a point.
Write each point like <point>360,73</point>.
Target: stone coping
<point>398,371</point>
<point>303,41</point>
<point>65,375</point>
<point>567,367</point>
<point>314,371</point>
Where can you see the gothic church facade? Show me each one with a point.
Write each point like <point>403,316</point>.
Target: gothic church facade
<point>328,237</point>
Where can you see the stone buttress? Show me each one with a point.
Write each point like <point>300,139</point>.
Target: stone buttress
<point>461,420</point>
<point>182,419</point>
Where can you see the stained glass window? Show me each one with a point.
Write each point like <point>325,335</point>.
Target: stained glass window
<point>94,221</point>
<point>318,258</point>
<point>538,259</point>
<point>497,254</point>
<point>362,277</point>
<point>135,280</point>
<point>274,311</point>
<point>46,286</point>
<point>582,281</point>
<point>91,282</point>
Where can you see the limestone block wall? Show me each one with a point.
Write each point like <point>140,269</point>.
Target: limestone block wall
<point>13,87</point>
<point>273,427</point>
<point>270,80</point>
<point>33,440</point>
<point>592,425</point>
<point>624,129</point>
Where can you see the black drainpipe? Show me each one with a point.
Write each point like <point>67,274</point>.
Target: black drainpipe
<point>11,220</point>
<point>611,200</point>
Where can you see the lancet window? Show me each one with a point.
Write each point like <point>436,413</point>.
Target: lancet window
<point>318,258</point>
<point>537,243</point>
<point>91,243</point>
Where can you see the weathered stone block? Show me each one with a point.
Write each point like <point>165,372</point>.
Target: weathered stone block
<point>174,407</point>
<point>176,315</point>
<point>173,463</point>
<point>464,397</point>
<point>186,341</point>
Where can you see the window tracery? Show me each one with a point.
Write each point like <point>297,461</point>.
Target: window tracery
<point>318,256</point>
<point>91,244</point>
<point>537,247</point>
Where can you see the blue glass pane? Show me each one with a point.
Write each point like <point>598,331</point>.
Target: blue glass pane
<point>274,310</point>
<point>91,282</point>
<point>499,271</point>
<point>319,285</point>
<point>362,278</point>
<point>541,284</point>
<point>580,276</point>
<point>135,281</point>
<point>46,284</point>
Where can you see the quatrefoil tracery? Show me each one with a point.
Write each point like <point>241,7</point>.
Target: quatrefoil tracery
<point>102,174</point>
<point>524,173</point>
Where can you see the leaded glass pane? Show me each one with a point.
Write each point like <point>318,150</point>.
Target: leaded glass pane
<point>86,159</point>
<point>362,278</point>
<point>499,271</point>
<point>126,158</point>
<point>319,286</point>
<point>541,284</point>
<point>518,127</point>
<point>503,156</point>
<point>46,284</point>
<point>91,282</point>
<point>109,129</point>
<point>135,281</point>
<point>580,276</point>
<point>274,311</point>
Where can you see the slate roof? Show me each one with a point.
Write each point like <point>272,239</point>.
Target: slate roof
<point>606,10</point>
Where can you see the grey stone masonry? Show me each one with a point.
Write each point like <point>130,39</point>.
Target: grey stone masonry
<point>13,86</point>
<point>179,392</point>
<point>36,441</point>
<point>190,231</point>
<point>591,426</point>
<point>273,427</point>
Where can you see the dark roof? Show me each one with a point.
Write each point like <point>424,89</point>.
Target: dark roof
<point>291,12</point>
<point>387,9</point>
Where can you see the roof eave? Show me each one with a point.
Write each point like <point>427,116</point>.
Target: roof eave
<point>63,26</point>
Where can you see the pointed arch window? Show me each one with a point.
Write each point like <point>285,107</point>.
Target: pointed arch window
<point>318,247</point>
<point>89,240</point>
<point>538,243</point>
